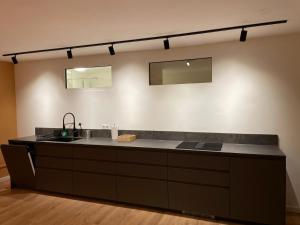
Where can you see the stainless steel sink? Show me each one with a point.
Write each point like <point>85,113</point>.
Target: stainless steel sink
<point>64,139</point>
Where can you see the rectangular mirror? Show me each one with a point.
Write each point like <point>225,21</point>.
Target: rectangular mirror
<point>181,71</point>
<point>94,77</point>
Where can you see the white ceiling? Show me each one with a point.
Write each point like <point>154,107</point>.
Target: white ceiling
<point>38,24</point>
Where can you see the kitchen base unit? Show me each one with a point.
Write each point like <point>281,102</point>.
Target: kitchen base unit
<point>235,186</point>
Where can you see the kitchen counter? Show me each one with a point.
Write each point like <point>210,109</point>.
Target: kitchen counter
<point>228,148</point>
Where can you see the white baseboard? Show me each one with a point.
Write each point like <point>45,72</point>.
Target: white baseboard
<point>292,209</point>
<point>3,179</point>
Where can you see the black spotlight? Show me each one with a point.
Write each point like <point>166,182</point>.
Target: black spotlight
<point>111,50</point>
<point>167,44</point>
<point>243,36</point>
<point>69,53</point>
<point>14,59</point>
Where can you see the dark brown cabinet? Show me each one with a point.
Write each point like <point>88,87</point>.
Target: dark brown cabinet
<point>94,166</point>
<point>197,199</point>
<point>54,150</point>
<point>258,190</point>
<point>142,177</point>
<point>199,183</point>
<point>94,153</point>
<point>199,161</point>
<point>205,177</point>
<point>19,164</point>
<point>231,186</point>
<point>54,168</point>
<point>54,180</point>
<point>142,191</point>
<point>54,163</point>
<point>94,185</point>
<point>145,156</point>
<point>143,171</point>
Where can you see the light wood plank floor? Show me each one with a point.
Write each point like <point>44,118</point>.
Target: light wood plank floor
<point>22,207</point>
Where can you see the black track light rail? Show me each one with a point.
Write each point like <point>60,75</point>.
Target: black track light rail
<point>150,38</point>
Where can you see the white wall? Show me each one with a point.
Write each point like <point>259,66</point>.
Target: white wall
<point>255,89</point>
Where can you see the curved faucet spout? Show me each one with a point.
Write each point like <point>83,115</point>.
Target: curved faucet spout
<point>74,122</point>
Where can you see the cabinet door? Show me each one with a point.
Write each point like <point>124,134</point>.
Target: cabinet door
<point>143,171</point>
<point>94,166</point>
<point>19,165</point>
<point>54,163</point>
<point>206,177</point>
<point>258,190</point>
<point>94,153</point>
<point>54,180</point>
<point>198,161</point>
<point>142,191</point>
<point>197,199</point>
<point>146,156</point>
<point>95,185</point>
<point>55,150</point>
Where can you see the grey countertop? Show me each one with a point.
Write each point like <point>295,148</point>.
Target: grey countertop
<point>228,148</point>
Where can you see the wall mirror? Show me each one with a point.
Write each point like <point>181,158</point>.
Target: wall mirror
<point>181,71</point>
<point>93,77</point>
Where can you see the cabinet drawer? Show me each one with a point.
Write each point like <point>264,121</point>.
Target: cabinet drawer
<point>142,191</point>
<point>199,199</point>
<point>57,150</point>
<point>199,176</point>
<point>192,160</point>
<point>95,185</point>
<point>94,153</point>
<point>146,157</point>
<point>94,166</point>
<point>54,180</point>
<point>54,163</point>
<point>146,171</point>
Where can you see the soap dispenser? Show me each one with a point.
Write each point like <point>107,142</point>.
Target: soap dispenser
<point>114,132</point>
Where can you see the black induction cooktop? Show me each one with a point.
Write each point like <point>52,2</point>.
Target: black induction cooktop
<point>200,146</point>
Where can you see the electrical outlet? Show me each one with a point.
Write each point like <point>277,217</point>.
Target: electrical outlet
<point>105,126</point>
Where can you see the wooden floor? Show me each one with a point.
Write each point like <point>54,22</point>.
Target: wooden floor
<point>21,207</point>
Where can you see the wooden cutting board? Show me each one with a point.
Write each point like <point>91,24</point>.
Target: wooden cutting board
<point>127,137</point>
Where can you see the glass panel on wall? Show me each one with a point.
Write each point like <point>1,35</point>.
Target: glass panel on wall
<point>181,71</point>
<point>95,77</point>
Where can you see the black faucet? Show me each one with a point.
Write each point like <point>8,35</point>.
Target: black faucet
<point>74,123</point>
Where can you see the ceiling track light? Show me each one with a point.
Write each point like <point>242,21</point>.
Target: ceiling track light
<point>166,44</point>
<point>14,59</point>
<point>111,50</point>
<point>69,53</point>
<point>243,36</point>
